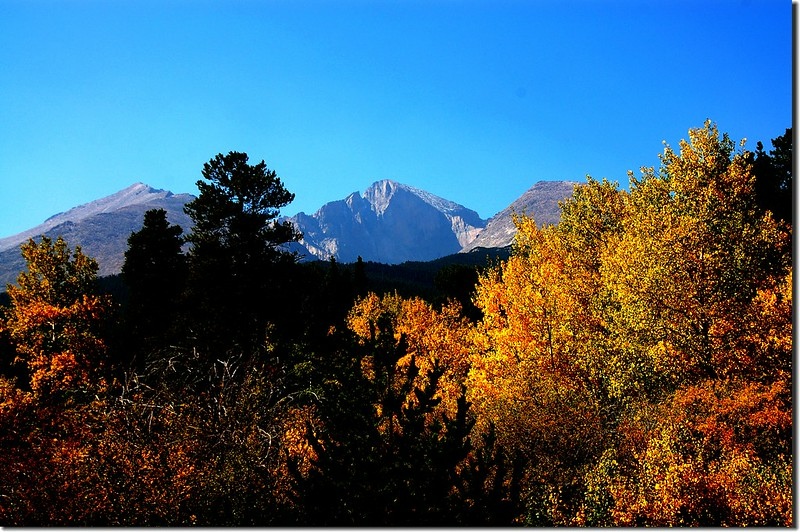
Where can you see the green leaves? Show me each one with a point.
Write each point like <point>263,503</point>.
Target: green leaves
<point>237,204</point>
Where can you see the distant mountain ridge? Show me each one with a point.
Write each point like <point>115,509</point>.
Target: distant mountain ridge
<point>541,201</point>
<point>389,223</point>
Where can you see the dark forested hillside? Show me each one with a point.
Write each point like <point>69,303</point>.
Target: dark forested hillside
<point>629,366</point>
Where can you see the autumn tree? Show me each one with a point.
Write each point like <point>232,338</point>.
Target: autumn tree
<point>55,316</point>
<point>595,329</point>
<point>526,377</point>
<point>715,453</point>
<point>433,339</point>
<point>49,422</point>
<point>694,253</point>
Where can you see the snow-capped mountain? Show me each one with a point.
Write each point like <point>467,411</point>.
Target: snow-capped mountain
<point>389,223</point>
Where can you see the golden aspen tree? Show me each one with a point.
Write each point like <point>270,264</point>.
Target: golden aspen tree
<point>49,424</point>
<point>700,284</point>
<point>54,318</point>
<point>526,378</point>
<point>694,253</point>
<point>595,332</point>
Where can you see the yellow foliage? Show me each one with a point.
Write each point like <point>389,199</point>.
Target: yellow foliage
<point>54,316</point>
<point>598,321</point>
<point>718,453</point>
<point>433,338</point>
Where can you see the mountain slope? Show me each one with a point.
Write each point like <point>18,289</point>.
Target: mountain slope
<point>100,227</point>
<point>390,223</point>
<point>540,201</point>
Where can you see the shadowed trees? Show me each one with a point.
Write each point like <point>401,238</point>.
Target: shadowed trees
<point>155,273</point>
<point>236,264</point>
<point>773,173</point>
<point>390,438</point>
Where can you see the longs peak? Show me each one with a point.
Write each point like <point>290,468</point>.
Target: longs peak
<point>391,222</point>
<point>380,193</point>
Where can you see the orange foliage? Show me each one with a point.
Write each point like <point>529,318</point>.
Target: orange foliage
<point>54,318</point>
<point>717,454</point>
<point>637,357</point>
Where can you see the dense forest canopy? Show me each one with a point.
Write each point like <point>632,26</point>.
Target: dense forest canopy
<point>630,365</point>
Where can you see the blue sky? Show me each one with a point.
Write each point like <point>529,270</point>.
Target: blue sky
<point>472,100</point>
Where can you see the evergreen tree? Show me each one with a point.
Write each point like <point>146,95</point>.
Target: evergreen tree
<point>237,266</point>
<point>155,272</point>
<point>773,174</point>
<point>392,441</point>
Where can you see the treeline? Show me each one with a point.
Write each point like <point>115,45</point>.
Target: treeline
<point>628,366</point>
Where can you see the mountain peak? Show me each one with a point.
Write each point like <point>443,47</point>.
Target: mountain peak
<point>386,184</point>
<point>380,194</point>
<point>392,222</point>
<point>137,186</point>
<point>139,190</point>
<point>136,194</point>
<point>101,227</point>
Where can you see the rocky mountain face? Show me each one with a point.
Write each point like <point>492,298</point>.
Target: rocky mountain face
<point>389,223</point>
<point>101,228</point>
<point>541,201</point>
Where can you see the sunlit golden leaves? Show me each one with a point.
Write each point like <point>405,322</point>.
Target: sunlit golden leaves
<point>294,440</point>
<point>692,255</point>
<point>50,432</point>
<point>632,366</point>
<point>433,339</point>
<point>531,378</point>
<point>55,274</point>
<point>637,304</point>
